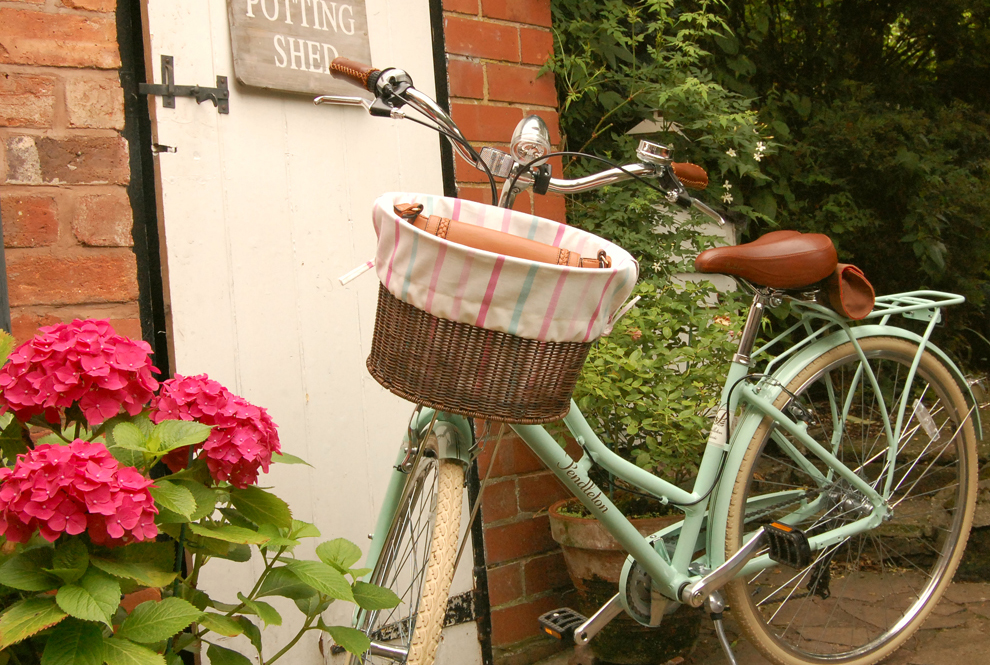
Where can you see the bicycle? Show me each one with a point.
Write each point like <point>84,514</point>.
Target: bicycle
<point>848,462</point>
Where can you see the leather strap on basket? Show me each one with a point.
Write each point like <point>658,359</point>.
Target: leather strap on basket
<point>849,292</point>
<point>496,242</point>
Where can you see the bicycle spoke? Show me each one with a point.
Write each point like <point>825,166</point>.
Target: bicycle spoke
<point>824,612</point>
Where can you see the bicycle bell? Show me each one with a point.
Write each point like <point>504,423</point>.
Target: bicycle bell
<point>530,140</point>
<point>653,153</point>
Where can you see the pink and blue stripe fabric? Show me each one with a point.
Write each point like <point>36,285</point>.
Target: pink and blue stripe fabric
<point>534,300</point>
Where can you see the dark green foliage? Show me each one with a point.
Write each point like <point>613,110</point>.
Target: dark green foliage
<point>880,114</point>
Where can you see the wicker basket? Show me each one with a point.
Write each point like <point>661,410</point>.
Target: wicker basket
<point>460,368</point>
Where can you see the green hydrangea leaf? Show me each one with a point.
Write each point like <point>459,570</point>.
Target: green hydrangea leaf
<point>27,617</point>
<point>339,553</point>
<point>74,642</point>
<point>220,624</point>
<point>261,507</point>
<point>222,656</point>
<point>117,651</point>
<point>374,597</point>
<point>325,579</point>
<point>351,639</point>
<point>154,621</point>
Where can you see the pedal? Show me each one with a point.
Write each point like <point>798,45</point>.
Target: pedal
<point>560,624</point>
<point>788,545</point>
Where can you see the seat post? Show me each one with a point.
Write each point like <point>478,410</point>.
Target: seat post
<point>761,301</point>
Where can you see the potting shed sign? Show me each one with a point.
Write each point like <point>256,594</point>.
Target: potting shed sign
<point>289,44</point>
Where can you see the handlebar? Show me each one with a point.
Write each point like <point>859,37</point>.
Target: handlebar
<point>393,89</point>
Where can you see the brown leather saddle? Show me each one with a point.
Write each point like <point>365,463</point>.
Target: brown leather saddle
<point>779,260</point>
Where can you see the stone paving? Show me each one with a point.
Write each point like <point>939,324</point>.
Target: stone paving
<point>958,631</point>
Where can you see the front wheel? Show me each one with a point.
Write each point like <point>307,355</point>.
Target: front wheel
<point>417,563</point>
<point>863,597</point>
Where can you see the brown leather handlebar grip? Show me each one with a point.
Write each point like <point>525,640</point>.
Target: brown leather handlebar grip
<point>355,72</point>
<point>691,175</point>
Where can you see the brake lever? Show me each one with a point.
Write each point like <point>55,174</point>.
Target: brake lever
<point>342,100</point>
<point>375,108</point>
<point>711,212</point>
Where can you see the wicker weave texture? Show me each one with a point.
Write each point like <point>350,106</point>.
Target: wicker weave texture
<point>460,368</point>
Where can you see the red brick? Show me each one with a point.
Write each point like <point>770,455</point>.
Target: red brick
<point>514,83</point>
<point>553,125</point>
<point>94,102</point>
<point>552,206</point>
<point>482,122</point>
<point>505,584</point>
<point>499,501</point>
<point>25,324</point>
<point>108,276</point>
<point>127,327</point>
<point>26,100</point>
<point>544,573</point>
<point>535,46</point>
<point>58,40</point>
<point>73,161</point>
<point>482,39</point>
<point>539,491</point>
<point>29,220</point>
<point>517,622</point>
<point>104,220</point>
<point>519,539</point>
<point>466,79</point>
<point>514,457</point>
<point>533,12</point>
<point>92,5</point>
<point>462,6</point>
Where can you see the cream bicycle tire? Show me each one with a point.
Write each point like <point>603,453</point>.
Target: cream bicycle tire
<point>420,578</point>
<point>790,636</point>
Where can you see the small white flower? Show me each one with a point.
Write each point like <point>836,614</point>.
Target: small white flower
<point>726,198</point>
<point>761,146</point>
<point>727,185</point>
<point>758,156</point>
<point>731,152</point>
<point>656,266</point>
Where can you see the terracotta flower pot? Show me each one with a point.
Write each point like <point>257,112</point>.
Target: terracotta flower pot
<point>594,562</point>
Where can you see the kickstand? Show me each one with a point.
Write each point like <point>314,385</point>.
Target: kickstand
<point>715,605</point>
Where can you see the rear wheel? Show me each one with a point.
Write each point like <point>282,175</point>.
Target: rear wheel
<point>417,563</point>
<point>863,597</point>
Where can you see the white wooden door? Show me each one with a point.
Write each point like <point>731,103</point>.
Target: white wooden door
<point>261,211</point>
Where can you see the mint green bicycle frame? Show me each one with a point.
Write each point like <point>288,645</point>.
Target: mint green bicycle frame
<point>706,505</point>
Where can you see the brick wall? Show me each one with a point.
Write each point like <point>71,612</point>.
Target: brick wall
<point>495,49</point>
<point>526,572</point>
<point>64,166</point>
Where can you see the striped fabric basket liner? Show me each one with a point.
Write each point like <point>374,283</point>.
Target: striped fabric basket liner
<point>483,334</point>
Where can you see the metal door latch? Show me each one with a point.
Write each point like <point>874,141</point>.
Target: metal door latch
<point>168,91</point>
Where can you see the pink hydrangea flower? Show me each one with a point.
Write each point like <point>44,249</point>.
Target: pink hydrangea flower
<point>84,363</point>
<point>70,489</point>
<point>243,438</point>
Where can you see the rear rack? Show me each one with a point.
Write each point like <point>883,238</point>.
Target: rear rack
<point>918,305</point>
<point>922,305</point>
